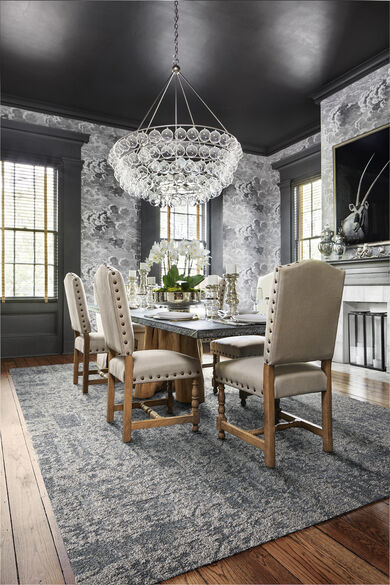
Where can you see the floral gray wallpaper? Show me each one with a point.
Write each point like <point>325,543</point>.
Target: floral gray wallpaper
<point>356,109</point>
<point>251,218</point>
<point>110,230</point>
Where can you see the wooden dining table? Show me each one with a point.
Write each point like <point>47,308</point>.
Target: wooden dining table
<point>186,337</point>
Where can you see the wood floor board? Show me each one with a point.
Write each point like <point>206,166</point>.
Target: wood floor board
<point>350,549</point>
<point>35,552</point>
<point>190,578</point>
<point>8,570</point>
<point>374,551</point>
<point>343,565</point>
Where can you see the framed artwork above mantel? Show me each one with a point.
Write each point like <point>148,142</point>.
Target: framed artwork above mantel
<point>361,187</point>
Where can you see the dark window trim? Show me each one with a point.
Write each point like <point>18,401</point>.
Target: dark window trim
<point>292,169</point>
<point>55,146</point>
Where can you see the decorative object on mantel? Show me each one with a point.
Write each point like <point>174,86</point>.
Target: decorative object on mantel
<point>177,163</point>
<point>361,187</point>
<point>231,296</point>
<point>326,243</point>
<point>132,289</point>
<point>179,289</point>
<point>339,244</point>
<point>364,251</point>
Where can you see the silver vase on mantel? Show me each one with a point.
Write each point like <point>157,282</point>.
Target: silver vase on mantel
<point>339,244</point>
<point>326,243</point>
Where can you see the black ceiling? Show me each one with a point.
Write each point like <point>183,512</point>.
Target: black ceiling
<point>256,63</point>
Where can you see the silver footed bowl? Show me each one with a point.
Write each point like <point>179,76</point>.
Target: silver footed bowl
<point>178,301</point>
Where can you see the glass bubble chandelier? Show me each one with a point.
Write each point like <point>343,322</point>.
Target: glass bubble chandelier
<point>176,164</point>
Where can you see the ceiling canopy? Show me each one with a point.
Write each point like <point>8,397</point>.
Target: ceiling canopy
<point>258,63</point>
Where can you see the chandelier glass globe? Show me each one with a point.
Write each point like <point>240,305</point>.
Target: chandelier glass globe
<point>175,164</point>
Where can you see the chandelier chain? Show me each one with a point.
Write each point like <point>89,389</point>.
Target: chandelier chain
<point>176,34</point>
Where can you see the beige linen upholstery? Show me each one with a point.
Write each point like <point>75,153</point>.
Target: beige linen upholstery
<point>77,303</point>
<point>138,367</point>
<point>96,343</point>
<point>239,346</point>
<point>86,342</point>
<point>290,380</point>
<point>301,327</point>
<point>156,365</point>
<point>111,297</point>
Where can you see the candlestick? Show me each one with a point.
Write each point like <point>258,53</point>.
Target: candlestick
<point>132,274</point>
<point>143,266</point>
<point>231,269</point>
<point>151,280</point>
<point>231,297</point>
<point>132,290</point>
<point>143,285</point>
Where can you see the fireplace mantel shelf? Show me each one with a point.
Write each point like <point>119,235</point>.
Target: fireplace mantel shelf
<point>365,271</point>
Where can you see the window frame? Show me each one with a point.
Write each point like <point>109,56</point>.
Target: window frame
<point>55,163</point>
<point>295,215</point>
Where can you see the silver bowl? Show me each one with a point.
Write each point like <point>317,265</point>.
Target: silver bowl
<point>178,301</point>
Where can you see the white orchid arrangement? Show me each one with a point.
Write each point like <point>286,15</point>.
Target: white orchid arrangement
<point>168,253</point>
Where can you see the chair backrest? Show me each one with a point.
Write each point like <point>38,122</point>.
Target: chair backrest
<point>303,312</point>
<point>114,310</point>
<point>77,303</point>
<point>263,292</point>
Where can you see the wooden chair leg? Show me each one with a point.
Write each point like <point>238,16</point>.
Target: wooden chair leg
<point>214,383</point>
<point>243,397</point>
<point>76,361</point>
<point>195,405</point>
<point>170,397</point>
<point>221,411</point>
<point>269,415</point>
<point>277,410</point>
<point>128,399</point>
<point>110,398</point>
<point>326,399</point>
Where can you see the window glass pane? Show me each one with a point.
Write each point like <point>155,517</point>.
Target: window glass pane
<point>314,251</point>
<point>24,247</point>
<point>180,227</point>
<point>307,218</point>
<point>30,204</point>
<point>9,280</point>
<point>163,225</point>
<point>306,225</point>
<point>316,222</point>
<point>24,280</point>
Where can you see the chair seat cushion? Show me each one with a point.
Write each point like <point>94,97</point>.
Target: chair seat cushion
<point>96,343</point>
<point>238,347</point>
<point>290,379</point>
<point>157,365</point>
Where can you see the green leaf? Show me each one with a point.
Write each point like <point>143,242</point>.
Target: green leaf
<point>193,281</point>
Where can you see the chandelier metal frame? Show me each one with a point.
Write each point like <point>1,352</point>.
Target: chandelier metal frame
<point>178,163</point>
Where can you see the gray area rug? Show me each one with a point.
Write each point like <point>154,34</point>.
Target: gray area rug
<point>172,500</point>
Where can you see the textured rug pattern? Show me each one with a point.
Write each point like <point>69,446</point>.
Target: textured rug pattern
<point>172,500</point>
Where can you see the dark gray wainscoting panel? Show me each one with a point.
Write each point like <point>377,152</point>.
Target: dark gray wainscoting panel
<point>31,326</point>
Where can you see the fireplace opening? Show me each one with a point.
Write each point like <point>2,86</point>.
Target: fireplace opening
<point>366,339</point>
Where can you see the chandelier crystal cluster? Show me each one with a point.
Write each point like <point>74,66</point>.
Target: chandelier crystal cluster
<point>176,164</point>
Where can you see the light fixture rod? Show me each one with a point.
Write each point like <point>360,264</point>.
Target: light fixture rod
<point>160,100</point>
<point>203,102</point>
<point>155,101</point>
<point>186,101</point>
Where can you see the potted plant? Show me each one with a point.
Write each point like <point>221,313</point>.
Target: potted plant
<point>178,288</point>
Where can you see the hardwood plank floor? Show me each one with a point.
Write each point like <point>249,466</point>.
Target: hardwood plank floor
<point>352,548</point>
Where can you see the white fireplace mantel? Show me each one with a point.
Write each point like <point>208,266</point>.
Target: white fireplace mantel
<point>367,287</point>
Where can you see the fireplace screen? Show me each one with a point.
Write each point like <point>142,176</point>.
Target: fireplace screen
<point>366,339</point>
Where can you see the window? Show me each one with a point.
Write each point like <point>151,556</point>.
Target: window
<point>307,218</point>
<point>29,231</point>
<point>187,222</point>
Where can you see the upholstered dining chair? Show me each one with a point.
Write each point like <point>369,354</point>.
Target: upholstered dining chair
<point>301,328</point>
<point>139,367</point>
<point>86,342</point>
<point>241,345</point>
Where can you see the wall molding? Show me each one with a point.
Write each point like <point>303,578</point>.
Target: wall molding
<point>351,76</point>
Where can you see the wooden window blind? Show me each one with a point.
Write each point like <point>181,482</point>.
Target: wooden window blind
<point>307,218</point>
<point>29,231</point>
<point>186,222</point>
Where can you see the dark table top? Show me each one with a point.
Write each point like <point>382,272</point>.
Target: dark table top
<point>199,328</point>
